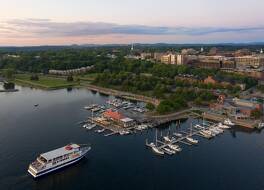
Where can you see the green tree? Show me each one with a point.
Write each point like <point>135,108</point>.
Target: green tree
<point>69,78</point>
<point>150,106</point>
<point>8,73</point>
<point>256,114</point>
<point>34,77</point>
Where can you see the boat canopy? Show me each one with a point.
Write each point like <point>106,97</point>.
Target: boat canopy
<point>60,152</point>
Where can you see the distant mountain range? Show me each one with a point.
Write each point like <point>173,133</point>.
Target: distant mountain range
<point>59,47</point>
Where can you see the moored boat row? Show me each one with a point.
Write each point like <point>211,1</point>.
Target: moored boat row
<point>169,144</point>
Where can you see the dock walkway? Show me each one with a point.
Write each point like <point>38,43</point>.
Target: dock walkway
<point>180,139</point>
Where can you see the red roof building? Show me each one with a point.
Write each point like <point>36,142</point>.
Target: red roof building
<point>114,115</point>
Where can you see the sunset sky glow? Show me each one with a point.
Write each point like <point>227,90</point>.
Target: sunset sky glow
<point>63,22</point>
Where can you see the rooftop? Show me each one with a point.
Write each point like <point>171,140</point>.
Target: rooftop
<point>126,120</point>
<point>60,151</point>
<point>113,114</point>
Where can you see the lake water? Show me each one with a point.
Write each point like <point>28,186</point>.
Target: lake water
<point>234,160</point>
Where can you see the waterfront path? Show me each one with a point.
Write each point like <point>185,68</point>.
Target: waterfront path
<point>183,114</point>
<point>125,95</point>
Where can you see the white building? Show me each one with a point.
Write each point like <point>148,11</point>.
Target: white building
<point>71,71</point>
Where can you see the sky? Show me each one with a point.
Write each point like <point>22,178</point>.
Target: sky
<point>65,22</point>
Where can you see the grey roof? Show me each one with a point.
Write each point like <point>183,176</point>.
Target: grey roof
<point>59,152</point>
<point>125,120</point>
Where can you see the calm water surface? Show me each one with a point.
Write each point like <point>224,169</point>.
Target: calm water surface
<point>234,160</point>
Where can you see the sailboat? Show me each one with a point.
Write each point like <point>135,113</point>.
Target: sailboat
<point>169,151</point>
<point>175,147</point>
<point>155,149</point>
<point>190,139</point>
<point>167,138</point>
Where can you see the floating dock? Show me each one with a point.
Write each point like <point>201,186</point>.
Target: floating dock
<point>184,139</point>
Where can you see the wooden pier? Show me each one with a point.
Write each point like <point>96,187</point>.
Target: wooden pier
<point>160,145</point>
<point>180,139</point>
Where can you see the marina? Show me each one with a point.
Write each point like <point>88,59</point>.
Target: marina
<point>167,144</point>
<point>111,117</point>
<point>170,144</point>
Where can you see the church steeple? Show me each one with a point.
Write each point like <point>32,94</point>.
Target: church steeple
<point>132,47</point>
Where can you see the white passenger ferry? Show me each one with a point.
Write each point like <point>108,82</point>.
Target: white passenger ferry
<point>58,158</point>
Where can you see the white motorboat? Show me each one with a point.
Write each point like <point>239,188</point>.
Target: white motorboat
<point>84,126</point>
<point>87,107</point>
<point>124,132</point>
<point>198,126</point>
<point>219,129</point>
<point>177,134</point>
<point>260,125</point>
<point>121,133</point>
<point>96,109</point>
<point>141,127</point>
<point>100,130</point>
<point>191,140</point>
<point>157,150</point>
<point>209,132</point>
<point>214,131</point>
<point>206,134</point>
<point>144,126</point>
<point>229,122</point>
<point>222,126</point>
<point>91,126</point>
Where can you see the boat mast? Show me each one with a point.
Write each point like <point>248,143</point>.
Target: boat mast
<point>156,136</point>
<point>92,115</point>
<point>191,129</point>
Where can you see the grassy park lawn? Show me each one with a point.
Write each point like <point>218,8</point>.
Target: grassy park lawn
<point>45,82</point>
<point>88,77</point>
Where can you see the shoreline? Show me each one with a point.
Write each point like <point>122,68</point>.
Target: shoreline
<point>130,96</point>
<point>10,90</point>
<point>39,86</point>
<point>122,94</point>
